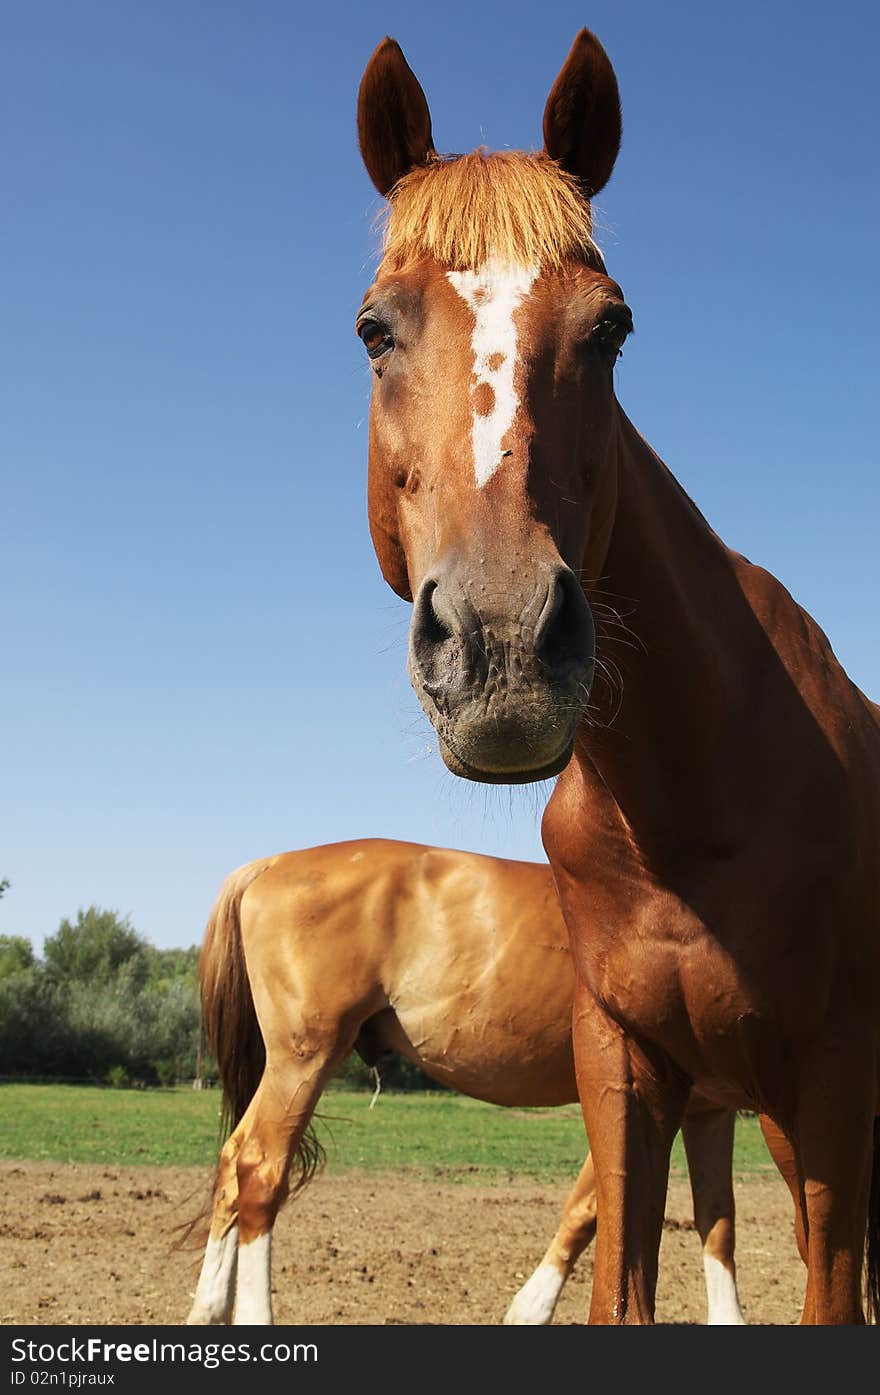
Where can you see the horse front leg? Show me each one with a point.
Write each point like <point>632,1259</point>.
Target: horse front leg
<point>781,1151</point>
<point>633,1103</point>
<point>708,1140</point>
<point>535,1303</point>
<point>833,1145</point>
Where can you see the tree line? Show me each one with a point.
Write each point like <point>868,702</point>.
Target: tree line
<point>100,1004</point>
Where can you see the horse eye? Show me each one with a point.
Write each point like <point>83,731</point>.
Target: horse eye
<point>610,335</point>
<point>375,338</point>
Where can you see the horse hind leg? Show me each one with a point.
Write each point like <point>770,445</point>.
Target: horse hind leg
<point>535,1303</point>
<point>214,1297</point>
<point>252,1186</point>
<point>708,1140</point>
<point>215,1292</point>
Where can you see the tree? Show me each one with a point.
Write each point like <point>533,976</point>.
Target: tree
<point>16,954</point>
<point>95,948</point>
<point>34,1033</point>
<point>101,1002</point>
<point>168,966</point>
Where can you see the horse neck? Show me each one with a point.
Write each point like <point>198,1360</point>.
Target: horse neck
<point>662,756</point>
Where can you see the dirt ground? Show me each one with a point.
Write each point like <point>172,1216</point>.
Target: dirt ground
<point>84,1244</point>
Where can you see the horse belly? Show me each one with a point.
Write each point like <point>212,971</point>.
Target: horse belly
<point>503,1061</point>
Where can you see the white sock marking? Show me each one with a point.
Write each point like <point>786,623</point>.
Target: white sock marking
<point>253,1295</point>
<point>216,1287</point>
<point>535,1303</point>
<point>723,1299</point>
<point>493,293</point>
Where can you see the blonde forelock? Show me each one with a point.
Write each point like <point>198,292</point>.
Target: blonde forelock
<point>508,205</point>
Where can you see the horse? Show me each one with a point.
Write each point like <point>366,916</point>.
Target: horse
<point>457,961</point>
<point>713,826</point>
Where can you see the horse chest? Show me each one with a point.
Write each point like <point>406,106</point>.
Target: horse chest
<point>654,986</point>
<point>703,990</point>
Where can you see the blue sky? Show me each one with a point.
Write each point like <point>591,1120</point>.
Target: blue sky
<point>200,661</point>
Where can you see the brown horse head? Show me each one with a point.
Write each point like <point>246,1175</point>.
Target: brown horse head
<point>492,330</point>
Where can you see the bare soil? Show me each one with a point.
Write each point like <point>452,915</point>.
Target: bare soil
<point>86,1245</point>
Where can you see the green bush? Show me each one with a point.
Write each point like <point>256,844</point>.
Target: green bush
<point>166,1072</point>
<point>95,948</point>
<point>102,999</point>
<point>35,1038</point>
<point>16,955</point>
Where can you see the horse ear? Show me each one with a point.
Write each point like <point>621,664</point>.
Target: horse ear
<point>394,123</point>
<point>582,115</point>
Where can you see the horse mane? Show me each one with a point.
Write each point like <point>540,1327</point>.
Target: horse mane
<point>464,210</point>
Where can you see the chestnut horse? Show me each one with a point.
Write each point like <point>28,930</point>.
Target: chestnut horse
<point>457,961</point>
<point>715,845</point>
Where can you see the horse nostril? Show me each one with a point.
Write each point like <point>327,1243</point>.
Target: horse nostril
<point>565,637</point>
<point>432,640</point>
<point>429,629</point>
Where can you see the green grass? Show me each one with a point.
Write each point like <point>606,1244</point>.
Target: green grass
<point>421,1133</point>
<point>92,1124</point>
<point>424,1135</point>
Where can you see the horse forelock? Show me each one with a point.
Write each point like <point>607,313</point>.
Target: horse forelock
<point>504,206</point>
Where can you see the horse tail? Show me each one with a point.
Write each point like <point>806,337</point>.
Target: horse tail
<point>230,1027</point>
<point>228,1019</point>
<point>872,1247</point>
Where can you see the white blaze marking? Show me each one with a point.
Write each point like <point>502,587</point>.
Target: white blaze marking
<point>535,1303</point>
<point>723,1299</point>
<point>493,293</point>
<point>253,1294</point>
<point>216,1287</point>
